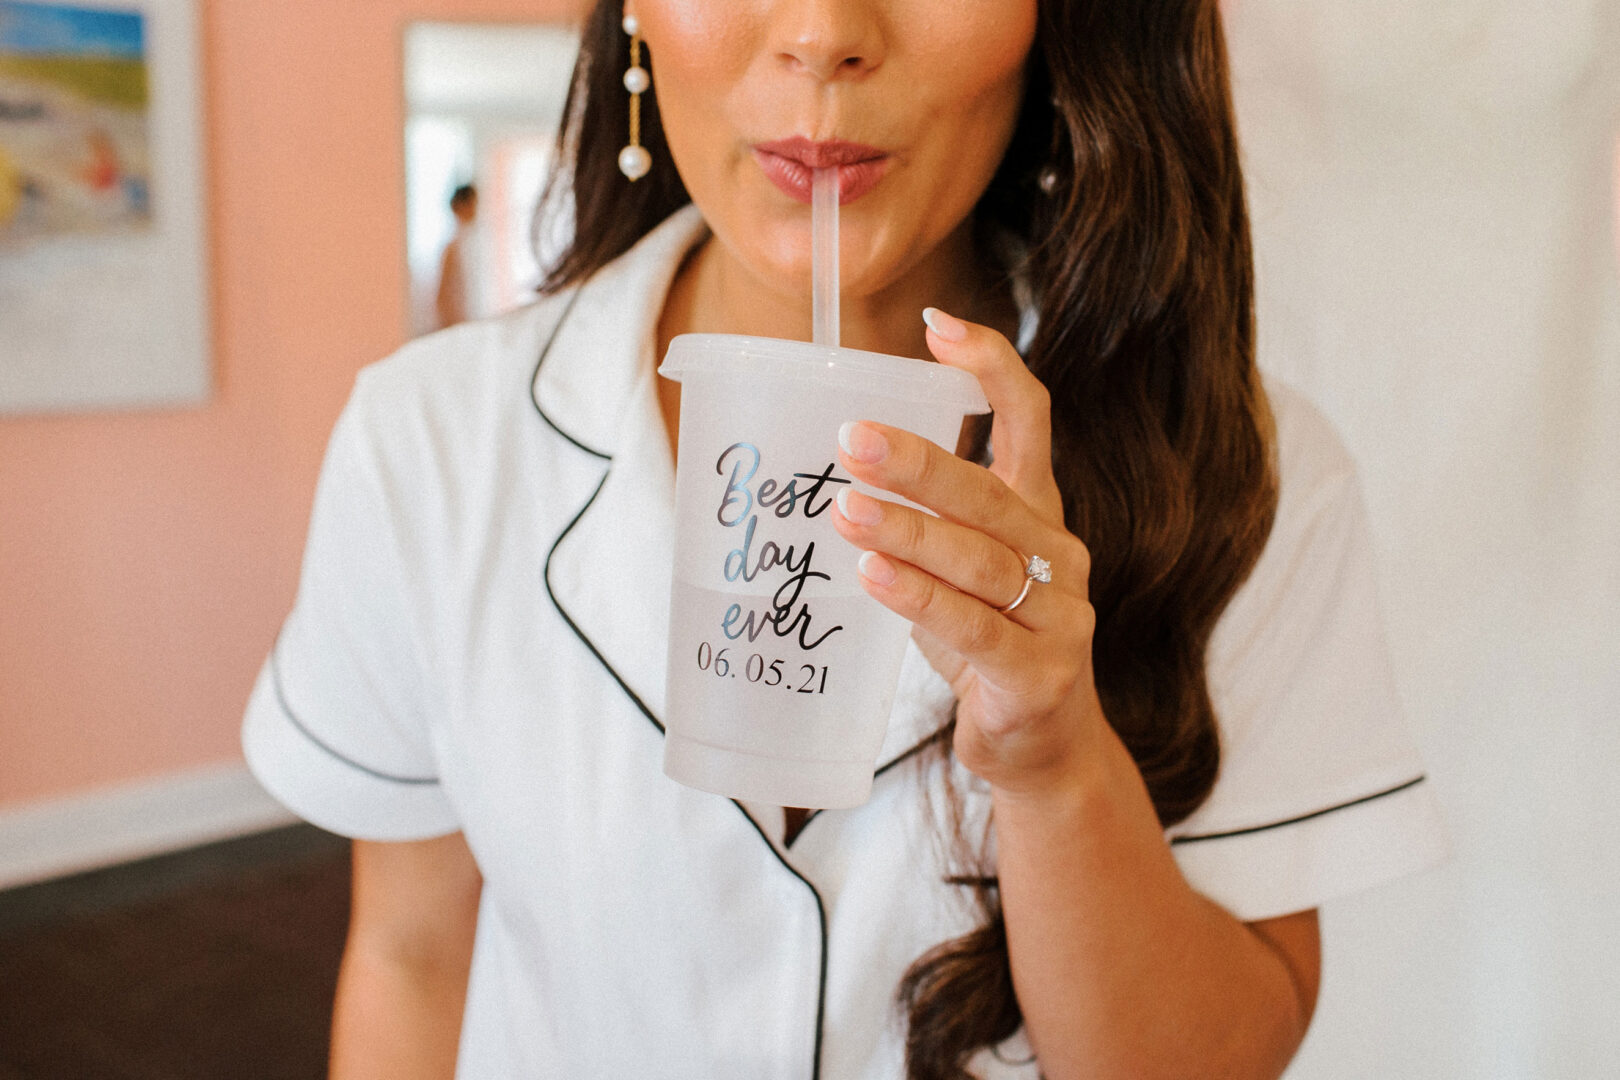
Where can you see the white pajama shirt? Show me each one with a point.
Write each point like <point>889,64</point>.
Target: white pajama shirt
<point>478,644</point>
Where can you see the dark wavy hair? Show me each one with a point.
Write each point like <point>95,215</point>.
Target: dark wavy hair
<point>1122,183</point>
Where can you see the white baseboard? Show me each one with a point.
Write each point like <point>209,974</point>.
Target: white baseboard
<point>100,828</point>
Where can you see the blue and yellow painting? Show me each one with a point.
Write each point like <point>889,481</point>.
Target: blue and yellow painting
<point>74,144</point>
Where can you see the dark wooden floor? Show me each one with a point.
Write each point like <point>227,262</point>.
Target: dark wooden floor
<point>215,962</point>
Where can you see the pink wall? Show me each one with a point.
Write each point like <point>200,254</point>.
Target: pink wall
<point>147,559</point>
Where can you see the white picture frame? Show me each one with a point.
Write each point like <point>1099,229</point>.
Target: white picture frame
<point>120,321</point>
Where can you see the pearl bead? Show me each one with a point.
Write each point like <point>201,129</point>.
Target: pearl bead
<point>632,25</point>
<point>636,80</point>
<point>635,162</point>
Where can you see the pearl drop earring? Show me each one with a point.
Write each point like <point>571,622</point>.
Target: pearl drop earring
<point>634,160</point>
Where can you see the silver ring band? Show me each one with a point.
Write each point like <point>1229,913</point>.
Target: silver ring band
<point>1028,581</point>
<point>1035,569</point>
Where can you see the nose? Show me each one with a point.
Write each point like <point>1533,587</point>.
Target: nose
<point>829,39</point>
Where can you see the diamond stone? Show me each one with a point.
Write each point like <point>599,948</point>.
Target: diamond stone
<point>1039,569</point>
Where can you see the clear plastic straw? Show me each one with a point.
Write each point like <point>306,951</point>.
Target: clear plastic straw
<point>824,257</point>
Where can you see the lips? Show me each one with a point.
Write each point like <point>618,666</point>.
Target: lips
<point>790,164</point>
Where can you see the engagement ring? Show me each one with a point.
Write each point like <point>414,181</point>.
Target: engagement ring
<point>1037,569</point>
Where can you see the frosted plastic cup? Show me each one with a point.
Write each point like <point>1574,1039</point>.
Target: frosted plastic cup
<point>782,671</point>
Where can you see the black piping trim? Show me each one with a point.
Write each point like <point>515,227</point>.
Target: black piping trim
<point>821,918</point>
<point>534,390</point>
<point>286,709</point>
<point>572,625</point>
<point>821,907</point>
<point>1303,817</point>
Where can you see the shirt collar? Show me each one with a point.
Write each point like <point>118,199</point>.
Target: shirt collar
<point>605,344</point>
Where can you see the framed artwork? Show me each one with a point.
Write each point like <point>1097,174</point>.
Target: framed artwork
<point>103,277</point>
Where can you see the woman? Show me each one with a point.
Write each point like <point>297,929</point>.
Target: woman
<point>1103,817</point>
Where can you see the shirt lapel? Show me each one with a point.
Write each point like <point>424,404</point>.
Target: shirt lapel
<point>609,570</point>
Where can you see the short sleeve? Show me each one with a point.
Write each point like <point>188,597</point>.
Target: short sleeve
<point>1321,791</point>
<point>338,727</point>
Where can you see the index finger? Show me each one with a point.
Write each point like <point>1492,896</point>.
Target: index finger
<point>1021,431</point>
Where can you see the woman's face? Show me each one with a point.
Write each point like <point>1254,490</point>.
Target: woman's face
<point>914,100</point>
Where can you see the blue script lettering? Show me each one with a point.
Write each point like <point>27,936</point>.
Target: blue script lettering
<point>737,505</point>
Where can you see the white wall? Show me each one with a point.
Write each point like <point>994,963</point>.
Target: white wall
<point>1433,194</point>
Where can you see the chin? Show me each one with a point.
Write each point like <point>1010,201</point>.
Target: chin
<point>779,257</point>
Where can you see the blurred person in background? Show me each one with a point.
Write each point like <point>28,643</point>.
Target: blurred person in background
<point>462,269</point>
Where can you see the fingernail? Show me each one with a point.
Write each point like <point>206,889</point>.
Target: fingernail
<point>946,326</point>
<point>860,509</point>
<point>862,443</point>
<point>876,569</point>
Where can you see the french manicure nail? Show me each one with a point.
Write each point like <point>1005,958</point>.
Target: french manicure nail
<point>876,569</point>
<point>946,326</point>
<point>859,508</point>
<point>862,443</point>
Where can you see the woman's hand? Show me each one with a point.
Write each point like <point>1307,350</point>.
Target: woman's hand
<point>1028,710</point>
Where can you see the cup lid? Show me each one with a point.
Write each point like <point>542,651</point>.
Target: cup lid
<point>868,372</point>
